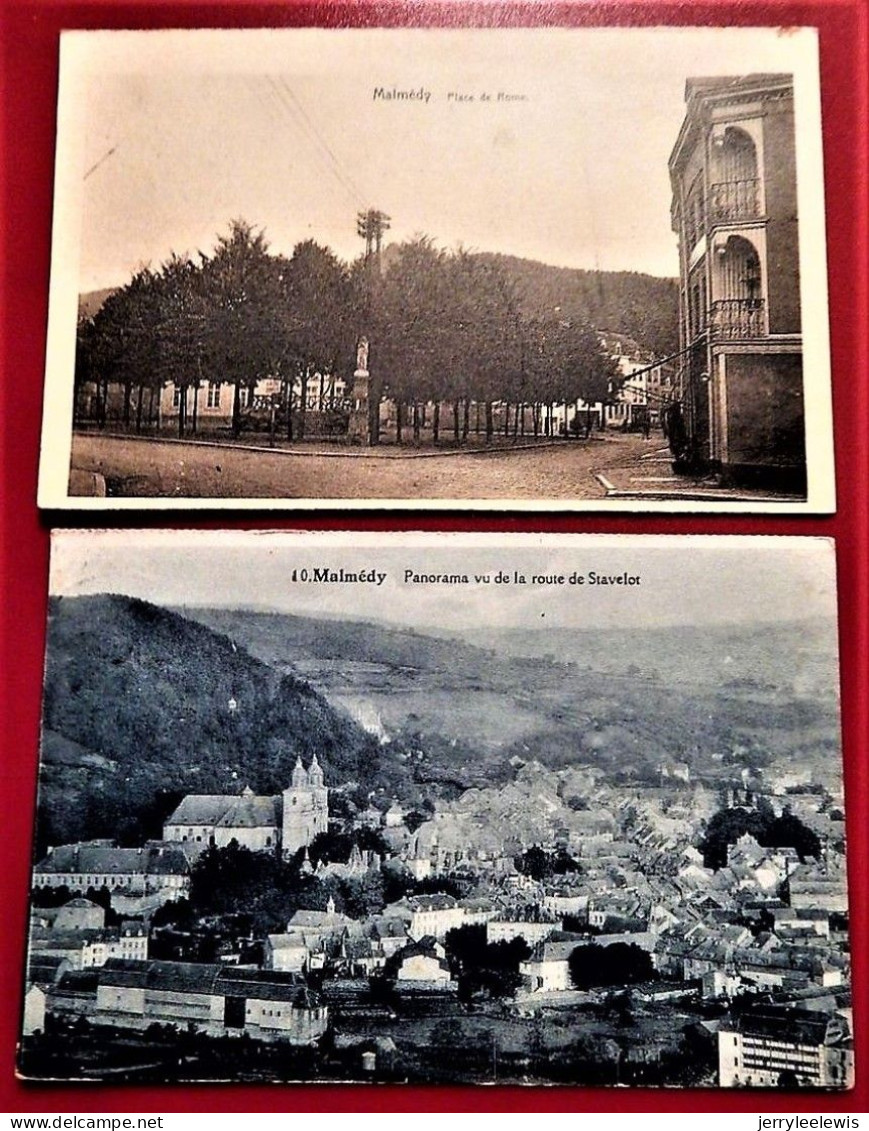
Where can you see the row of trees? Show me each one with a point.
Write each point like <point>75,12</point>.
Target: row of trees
<point>445,328</point>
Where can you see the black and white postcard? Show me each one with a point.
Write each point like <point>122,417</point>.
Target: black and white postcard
<point>540,268</point>
<point>440,809</point>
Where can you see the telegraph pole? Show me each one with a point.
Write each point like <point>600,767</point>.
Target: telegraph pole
<point>370,226</point>
<point>365,421</point>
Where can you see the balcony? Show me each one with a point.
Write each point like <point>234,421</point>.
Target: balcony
<point>732,319</point>
<point>731,202</point>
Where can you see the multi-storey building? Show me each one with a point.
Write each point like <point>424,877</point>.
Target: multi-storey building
<point>781,1047</point>
<point>285,822</point>
<point>159,869</point>
<point>733,174</point>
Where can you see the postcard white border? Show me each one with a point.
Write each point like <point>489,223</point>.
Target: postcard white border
<point>801,58</point>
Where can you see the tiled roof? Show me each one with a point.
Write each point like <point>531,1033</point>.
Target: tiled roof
<point>202,978</point>
<point>200,809</point>
<point>250,813</point>
<point>156,858</point>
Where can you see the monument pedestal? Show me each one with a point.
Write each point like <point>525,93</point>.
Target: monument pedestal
<point>359,430</point>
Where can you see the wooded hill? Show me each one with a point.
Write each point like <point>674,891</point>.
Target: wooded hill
<point>640,306</point>
<point>137,713</point>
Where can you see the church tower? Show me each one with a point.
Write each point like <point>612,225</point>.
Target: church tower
<point>306,807</point>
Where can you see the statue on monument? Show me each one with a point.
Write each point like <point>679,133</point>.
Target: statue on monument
<point>362,355</point>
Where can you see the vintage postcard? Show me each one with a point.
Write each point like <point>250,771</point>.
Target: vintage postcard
<point>540,268</point>
<point>441,809</point>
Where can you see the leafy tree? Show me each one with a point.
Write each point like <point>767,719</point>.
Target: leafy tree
<point>320,325</point>
<point>728,825</point>
<point>246,337</point>
<point>619,964</point>
<point>539,864</point>
<point>492,968</point>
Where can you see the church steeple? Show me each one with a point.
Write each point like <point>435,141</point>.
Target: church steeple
<point>315,774</point>
<point>300,778</point>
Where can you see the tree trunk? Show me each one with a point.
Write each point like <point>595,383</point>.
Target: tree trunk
<point>289,396</point>
<point>151,407</point>
<point>507,420</point>
<point>128,394</point>
<point>303,403</point>
<point>535,416</point>
<point>490,422</point>
<point>399,420</point>
<point>416,422</point>
<point>436,423</point>
<point>322,390</point>
<point>236,408</point>
<point>467,408</point>
<point>456,423</point>
<point>182,410</point>
<point>522,422</point>
<point>516,422</point>
<point>195,408</point>
<point>140,395</point>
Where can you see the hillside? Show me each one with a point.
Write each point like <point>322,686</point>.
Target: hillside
<point>621,700</point>
<point>641,306</point>
<point>144,704</point>
<point>796,656</point>
<point>138,710</point>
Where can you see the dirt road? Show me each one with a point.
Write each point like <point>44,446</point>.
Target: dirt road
<point>144,469</point>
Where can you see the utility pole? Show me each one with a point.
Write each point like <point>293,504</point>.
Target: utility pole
<point>370,226</point>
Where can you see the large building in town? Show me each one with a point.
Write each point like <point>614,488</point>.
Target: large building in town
<point>157,870</point>
<point>208,998</point>
<point>733,176</point>
<point>786,1047</point>
<point>285,822</point>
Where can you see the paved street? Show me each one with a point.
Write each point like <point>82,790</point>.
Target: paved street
<point>166,470</point>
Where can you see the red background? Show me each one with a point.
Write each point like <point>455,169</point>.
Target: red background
<point>28,84</point>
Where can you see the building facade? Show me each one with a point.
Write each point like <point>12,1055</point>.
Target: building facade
<point>786,1047</point>
<point>733,176</point>
<point>208,998</point>
<point>282,823</point>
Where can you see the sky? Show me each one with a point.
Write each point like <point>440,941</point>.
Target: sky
<point>167,136</point>
<point>683,580</point>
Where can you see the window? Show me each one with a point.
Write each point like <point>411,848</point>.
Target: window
<point>176,396</point>
<point>213,400</point>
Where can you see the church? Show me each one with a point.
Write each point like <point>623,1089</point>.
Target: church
<point>281,823</point>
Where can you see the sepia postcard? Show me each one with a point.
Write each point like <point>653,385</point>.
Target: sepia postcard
<point>441,809</point>
<point>538,268</point>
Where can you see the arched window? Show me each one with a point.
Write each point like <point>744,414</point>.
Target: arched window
<point>735,188</point>
<point>740,310</point>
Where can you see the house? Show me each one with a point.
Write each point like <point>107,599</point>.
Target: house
<point>547,969</point>
<point>428,914</point>
<point>785,1047</point>
<point>284,823</point>
<point>79,914</point>
<point>733,176</point>
<point>308,938</point>
<point>84,948</point>
<point>211,405</point>
<point>42,971</point>
<point>422,966</point>
<point>530,931</point>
